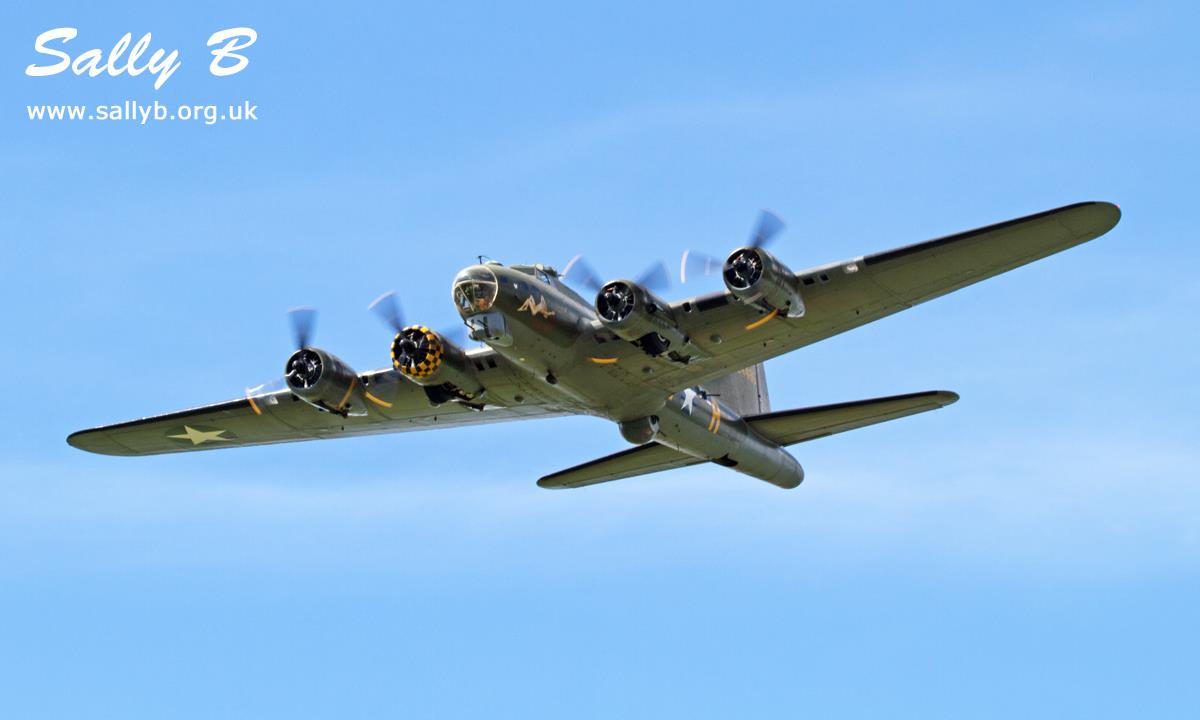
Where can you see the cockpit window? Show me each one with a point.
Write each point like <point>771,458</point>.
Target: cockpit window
<point>541,275</point>
<point>475,290</point>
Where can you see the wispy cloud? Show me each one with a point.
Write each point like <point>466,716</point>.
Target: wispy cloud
<point>1085,507</point>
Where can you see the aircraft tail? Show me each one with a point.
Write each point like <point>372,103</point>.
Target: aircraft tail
<point>787,427</point>
<point>743,391</point>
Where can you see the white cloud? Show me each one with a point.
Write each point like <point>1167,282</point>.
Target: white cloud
<point>1069,507</point>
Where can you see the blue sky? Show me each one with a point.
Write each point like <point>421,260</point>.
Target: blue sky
<point>1032,550</point>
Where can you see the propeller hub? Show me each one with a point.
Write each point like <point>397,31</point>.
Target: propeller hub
<point>304,369</point>
<point>417,351</point>
<point>615,301</point>
<point>743,269</point>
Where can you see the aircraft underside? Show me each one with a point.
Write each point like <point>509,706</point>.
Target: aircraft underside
<point>683,381</point>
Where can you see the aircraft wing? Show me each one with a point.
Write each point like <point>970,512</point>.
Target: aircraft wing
<point>397,405</point>
<point>844,295</point>
<point>787,427</point>
<point>640,460</point>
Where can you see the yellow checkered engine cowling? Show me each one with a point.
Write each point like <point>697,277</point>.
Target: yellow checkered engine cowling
<point>426,360</point>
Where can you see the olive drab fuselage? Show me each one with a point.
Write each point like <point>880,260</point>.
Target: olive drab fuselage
<point>550,332</point>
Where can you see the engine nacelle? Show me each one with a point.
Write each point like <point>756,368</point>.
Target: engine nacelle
<point>635,314</point>
<point>322,380</point>
<point>756,277</point>
<point>430,360</point>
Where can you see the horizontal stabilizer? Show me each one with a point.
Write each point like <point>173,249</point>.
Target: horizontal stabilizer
<point>786,427</point>
<point>789,427</point>
<point>640,460</point>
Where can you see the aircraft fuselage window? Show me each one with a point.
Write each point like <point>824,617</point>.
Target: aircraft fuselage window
<point>475,290</point>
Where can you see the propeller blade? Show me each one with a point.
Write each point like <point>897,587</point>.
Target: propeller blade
<point>456,335</point>
<point>696,264</point>
<point>303,320</point>
<point>655,277</point>
<point>387,308</point>
<point>769,225</point>
<point>583,273</point>
<point>261,396</point>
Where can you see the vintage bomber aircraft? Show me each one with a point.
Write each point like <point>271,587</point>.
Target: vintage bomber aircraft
<point>683,380</point>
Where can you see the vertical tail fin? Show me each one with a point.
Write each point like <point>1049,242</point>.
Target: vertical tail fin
<point>743,391</point>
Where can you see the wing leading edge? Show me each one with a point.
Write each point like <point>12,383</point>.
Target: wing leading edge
<point>841,296</point>
<point>399,406</point>
<point>786,427</point>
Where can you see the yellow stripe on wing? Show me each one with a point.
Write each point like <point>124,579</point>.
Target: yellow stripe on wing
<point>763,320</point>
<point>377,401</point>
<point>349,390</point>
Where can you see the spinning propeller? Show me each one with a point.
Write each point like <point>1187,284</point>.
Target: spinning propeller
<point>766,229</point>
<point>580,271</point>
<point>413,345</point>
<point>387,308</point>
<point>303,368</point>
<point>303,321</point>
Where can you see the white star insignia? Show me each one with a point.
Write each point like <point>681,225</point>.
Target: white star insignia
<point>199,437</point>
<point>689,397</point>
